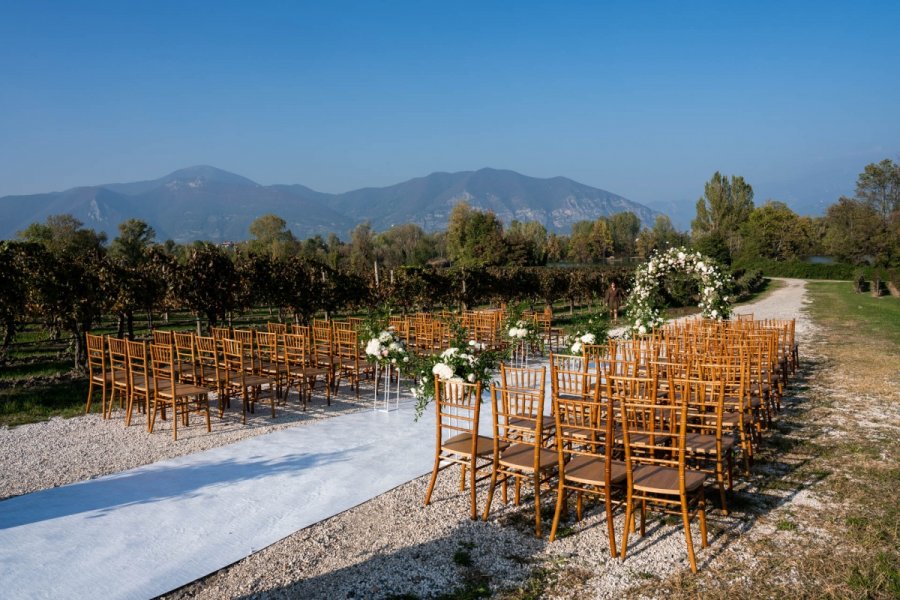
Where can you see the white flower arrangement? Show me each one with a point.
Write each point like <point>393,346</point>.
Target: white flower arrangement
<point>386,348</point>
<point>465,361</point>
<point>591,330</point>
<point>713,283</point>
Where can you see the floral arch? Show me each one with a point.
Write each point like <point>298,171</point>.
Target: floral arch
<point>642,312</point>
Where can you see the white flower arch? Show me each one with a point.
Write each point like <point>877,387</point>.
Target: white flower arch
<point>643,316</point>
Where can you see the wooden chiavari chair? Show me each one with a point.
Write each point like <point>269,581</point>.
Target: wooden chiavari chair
<point>458,408</point>
<point>301,369</point>
<point>182,398</point>
<point>241,379</point>
<point>120,383</point>
<point>519,448</point>
<point>98,372</point>
<point>653,437</point>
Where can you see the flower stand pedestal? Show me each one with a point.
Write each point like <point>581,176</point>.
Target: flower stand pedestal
<point>387,397</point>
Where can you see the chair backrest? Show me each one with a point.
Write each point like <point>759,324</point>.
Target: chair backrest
<point>346,346</point>
<point>163,336</point>
<point>518,416</point>
<point>267,348</point>
<point>458,406</point>
<point>209,359</point>
<point>186,355</point>
<point>162,357</point>
<point>137,358</point>
<point>118,360</point>
<point>296,352</point>
<point>321,343</point>
<point>568,375</point>
<point>584,427</point>
<point>220,332</point>
<point>653,432</point>
<point>233,355</point>
<point>523,378</point>
<point>276,327</point>
<point>96,355</point>
<point>247,338</point>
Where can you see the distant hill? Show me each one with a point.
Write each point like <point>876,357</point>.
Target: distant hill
<point>210,204</point>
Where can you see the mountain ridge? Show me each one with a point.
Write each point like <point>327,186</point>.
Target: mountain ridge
<point>203,202</point>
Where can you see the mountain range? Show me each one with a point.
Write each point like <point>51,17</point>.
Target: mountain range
<point>205,203</point>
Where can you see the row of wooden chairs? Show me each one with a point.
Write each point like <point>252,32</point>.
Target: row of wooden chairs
<point>635,423</point>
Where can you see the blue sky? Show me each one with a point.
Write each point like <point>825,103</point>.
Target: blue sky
<point>644,99</point>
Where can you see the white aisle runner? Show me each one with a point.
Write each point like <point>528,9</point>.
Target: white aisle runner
<point>147,531</point>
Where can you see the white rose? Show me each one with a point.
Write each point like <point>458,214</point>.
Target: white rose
<point>442,370</point>
<point>405,359</point>
<point>642,330</point>
<point>521,333</point>
<point>681,256</point>
<point>715,313</point>
<point>373,348</point>
<point>576,348</point>
<point>472,342</point>
<point>384,337</point>
<point>512,332</point>
<point>471,377</point>
<point>449,352</point>
<point>588,338</point>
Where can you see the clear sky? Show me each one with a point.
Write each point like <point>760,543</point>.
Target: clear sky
<point>644,99</point>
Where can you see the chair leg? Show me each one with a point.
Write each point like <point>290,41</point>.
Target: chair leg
<point>537,503</point>
<point>560,500</point>
<point>610,526</point>
<point>629,519</point>
<point>472,493</point>
<point>434,473</point>
<point>686,518</point>
<point>490,496</point>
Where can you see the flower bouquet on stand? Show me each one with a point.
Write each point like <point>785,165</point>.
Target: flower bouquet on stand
<point>523,336</point>
<point>464,361</point>
<point>387,351</point>
<point>591,330</point>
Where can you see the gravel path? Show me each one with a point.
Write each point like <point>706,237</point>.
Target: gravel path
<point>390,545</point>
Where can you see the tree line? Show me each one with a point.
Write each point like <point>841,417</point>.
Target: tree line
<point>67,275</point>
<point>864,229</point>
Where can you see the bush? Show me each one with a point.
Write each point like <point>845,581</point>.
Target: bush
<point>804,270</point>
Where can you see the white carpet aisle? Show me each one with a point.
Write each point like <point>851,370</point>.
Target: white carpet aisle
<point>150,530</point>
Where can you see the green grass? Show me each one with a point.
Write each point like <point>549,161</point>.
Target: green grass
<point>836,304</point>
<point>20,405</point>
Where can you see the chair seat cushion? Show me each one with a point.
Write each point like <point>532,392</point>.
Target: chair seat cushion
<point>701,443</point>
<point>664,480</point>
<point>462,444</point>
<point>521,456</point>
<point>590,470</point>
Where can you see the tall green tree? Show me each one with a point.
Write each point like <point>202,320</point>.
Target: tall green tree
<point>722,209</point>
<point>879,187</point>
<point>659,237</point>
<point>775,232</point>
<point>131,282</point>
<point>624,228</point>
<point>208,283</point>
<point>591,241</point>
<point>475,238</point>
<point>527,243</point>
<point>271,236</point>
<point>854,232</point>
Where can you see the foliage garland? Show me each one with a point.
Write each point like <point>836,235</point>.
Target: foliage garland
<point>643,313</point>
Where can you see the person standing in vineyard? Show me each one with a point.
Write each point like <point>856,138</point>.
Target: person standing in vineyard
<point>613,300</point>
